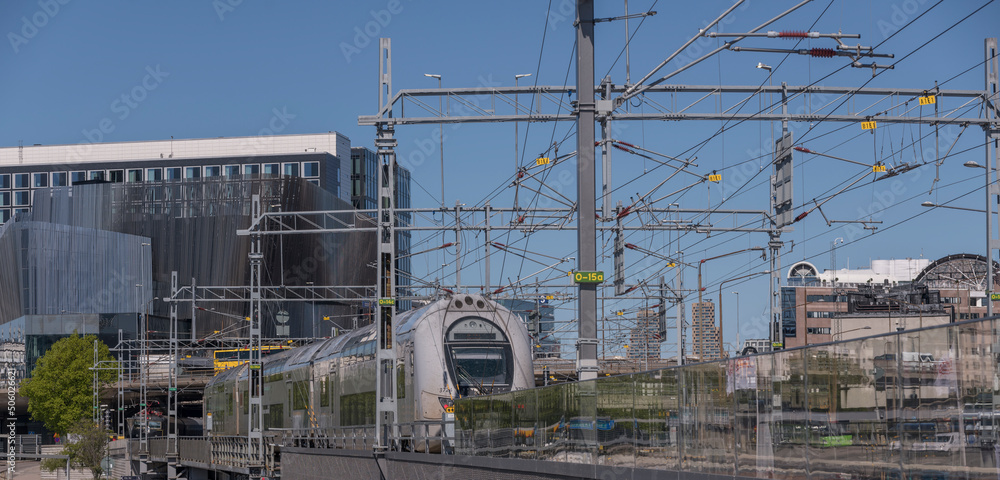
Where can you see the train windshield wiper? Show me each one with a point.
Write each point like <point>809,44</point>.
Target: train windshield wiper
<point>479,386</point>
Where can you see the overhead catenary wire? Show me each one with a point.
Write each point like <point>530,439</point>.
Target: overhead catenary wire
<point>901,59</point>
<point>815,134</point>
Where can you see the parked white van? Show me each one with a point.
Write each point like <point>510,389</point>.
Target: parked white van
<point>942,443</point>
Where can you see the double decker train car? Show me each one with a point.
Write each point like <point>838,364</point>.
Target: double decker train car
<point>458,346</point>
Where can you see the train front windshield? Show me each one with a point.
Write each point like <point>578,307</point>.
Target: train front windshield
<point>484,364</point>
<point>479,357</point>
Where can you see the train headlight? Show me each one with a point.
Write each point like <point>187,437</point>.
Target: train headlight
<point>446,403</point>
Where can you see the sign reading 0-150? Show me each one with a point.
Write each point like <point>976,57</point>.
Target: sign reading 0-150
<point>588,277</point>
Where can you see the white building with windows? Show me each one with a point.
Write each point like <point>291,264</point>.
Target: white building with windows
<point>323,159</point>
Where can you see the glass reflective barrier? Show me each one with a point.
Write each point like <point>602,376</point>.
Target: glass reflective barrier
<point>917,403</point>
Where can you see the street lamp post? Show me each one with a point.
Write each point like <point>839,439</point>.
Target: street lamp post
<point>700,289</point>
<point>722,284</point>
<point>441,137</point>
<point>938,205</point>
<point>738,348</point>
<point>841,333</point>
<point>517,111</point>
<point>281,258</point>
<point>312,316</point>
<point>988,283</point>
<point>143,378</point>
<point>762,66</point>
<point>677,298</point>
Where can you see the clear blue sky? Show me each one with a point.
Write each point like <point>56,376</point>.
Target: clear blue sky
<point>224,69</point>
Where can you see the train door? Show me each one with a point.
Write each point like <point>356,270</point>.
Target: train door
<point>335,392</point>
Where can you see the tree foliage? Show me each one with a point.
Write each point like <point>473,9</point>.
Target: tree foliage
<point>86,446</point>
<point>60,390</point>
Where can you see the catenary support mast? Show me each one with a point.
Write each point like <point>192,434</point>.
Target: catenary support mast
<point>586,359</point>
<point>385,378</point>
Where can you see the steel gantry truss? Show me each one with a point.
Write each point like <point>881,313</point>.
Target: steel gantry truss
<point>676,103</point>
<point>683,102</point>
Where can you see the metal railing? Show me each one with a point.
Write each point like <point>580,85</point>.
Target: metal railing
<point>221,451</point>
<point>911,404</point>
<point>427,437</point>
<point>29,444</point>
<point>361,437</point>
<point>229,451</point>
<point>194,449</point>
<point>431,437</point>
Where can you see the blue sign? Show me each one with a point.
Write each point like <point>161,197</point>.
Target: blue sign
<point>580,424</point>
<point>604,424</point>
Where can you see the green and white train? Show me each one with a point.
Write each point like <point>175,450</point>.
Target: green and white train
<point>459,346</point>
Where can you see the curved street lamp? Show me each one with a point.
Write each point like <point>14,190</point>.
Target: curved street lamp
<point>938,205</point>
<point>989,234</point>
<point>440,135</point>
<point>841,333</point>
<point>765,272</point>
<point>987,284</point>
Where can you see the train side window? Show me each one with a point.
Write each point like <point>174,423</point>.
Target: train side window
<point>300,395</point>
<point>334,388</point>
<point>324,392</point>
<point>401,381</point>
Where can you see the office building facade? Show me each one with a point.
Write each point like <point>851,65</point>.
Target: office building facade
<point>364,194</point>
<point>540,319</point>
<point>890,295</point>
<point>704,333</point>
<point>111,237</point>
<point>644,338</point>
<point>322,159</point>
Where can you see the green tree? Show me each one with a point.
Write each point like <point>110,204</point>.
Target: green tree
<point>60,391</point>
<point>86,445</point>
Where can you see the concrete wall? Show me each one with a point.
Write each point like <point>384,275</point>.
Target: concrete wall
<point>315,464</point>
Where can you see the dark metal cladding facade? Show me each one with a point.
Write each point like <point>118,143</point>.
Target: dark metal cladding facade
<point>49,269</point>
<point>191,227</point>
